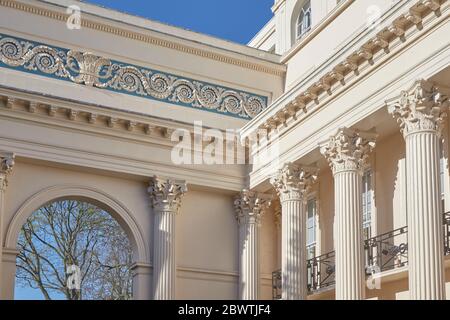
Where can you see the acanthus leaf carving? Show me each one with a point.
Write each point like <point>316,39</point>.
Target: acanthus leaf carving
<point>422,108</point>
<point>293,182</point>
<point>348,150</point>
<point>166,194</point>
<point>6,166</point>
<point>250,206</point>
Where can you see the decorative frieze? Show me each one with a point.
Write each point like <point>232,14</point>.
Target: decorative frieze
<point>278,69</point>
<point>6,165</point>
<point>422,108</point>
<point>95,71</point>
<point>166,194</point>
<point>250,206</point>
<point>348,149</point>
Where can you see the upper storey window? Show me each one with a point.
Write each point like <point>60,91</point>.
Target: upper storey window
<point>304,20</point>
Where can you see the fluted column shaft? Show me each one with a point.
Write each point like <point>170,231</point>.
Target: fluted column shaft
<point>293,248</point>
<point>278,227</point>
<point>164,265</point>
<point>293,184</point>
<point>425,234</point>
<point>6,165</point>
<point>348,237</point>
<point>420,112</point>
<point>166,199</point>
<point>347,152</point>
<point>249,238</point>
<point>250,207</point>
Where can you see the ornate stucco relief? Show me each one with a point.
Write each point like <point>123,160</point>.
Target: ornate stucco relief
<point>277,70</point>
<point>100,72</point>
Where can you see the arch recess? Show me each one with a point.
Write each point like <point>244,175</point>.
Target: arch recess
<point>94,196</point>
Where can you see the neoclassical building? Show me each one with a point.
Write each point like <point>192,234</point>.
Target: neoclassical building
<point>335,115</point>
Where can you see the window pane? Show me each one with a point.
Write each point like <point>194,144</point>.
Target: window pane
<point>367,203</point>
<point>304,20</point>
<point>311,223</point>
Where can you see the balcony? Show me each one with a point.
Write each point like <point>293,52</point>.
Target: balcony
<point>384,252</point>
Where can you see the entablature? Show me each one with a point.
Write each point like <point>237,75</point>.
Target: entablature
<point>325,82</point>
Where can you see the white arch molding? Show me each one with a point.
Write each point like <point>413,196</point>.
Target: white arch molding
<point>94,196</point>
<point>293,19</point>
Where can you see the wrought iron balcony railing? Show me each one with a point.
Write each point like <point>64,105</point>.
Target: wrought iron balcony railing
<point>387,251</point>
<point>447,233</point>
<point>383,252</point>
<point>320,272</point>
<point>276,285</point>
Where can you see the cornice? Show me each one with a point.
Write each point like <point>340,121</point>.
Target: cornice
<point>279,70</point>
<point>277,118</point>
<point>94,119</point>
<point>277,5</point>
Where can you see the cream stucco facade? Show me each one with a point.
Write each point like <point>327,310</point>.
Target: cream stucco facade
<point>344,179</point>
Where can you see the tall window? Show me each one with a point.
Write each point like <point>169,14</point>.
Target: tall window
<point>304,20</point>
<point>367,204</point>
<point>311,229</point>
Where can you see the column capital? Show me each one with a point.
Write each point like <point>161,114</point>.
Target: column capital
<point>6,165</point>
<point>166,194</point>
<point>293,181</point>
<point>348,150</point>
<point>250,206</point>
<point>421,108</point>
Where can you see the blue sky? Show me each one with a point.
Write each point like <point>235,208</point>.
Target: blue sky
<point>235,20</point>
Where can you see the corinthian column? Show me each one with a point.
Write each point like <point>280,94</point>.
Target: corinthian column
<point>250,207</point>
<point>292,184</point>
<point>166,199</point>
<point>420,113</point>
<point>347,153</point>
<point>6,165</point>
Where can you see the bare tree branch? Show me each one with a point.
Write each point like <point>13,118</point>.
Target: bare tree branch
<point>71,232</point>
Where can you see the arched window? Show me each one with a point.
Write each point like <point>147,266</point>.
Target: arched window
<point>304,20</point>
